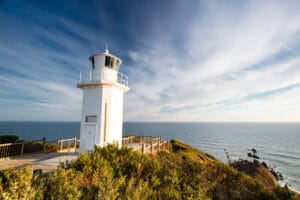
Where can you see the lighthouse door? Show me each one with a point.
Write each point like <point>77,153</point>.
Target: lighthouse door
<point>90,133</point>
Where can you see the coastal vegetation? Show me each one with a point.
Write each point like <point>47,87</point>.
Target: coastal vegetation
<point>8,139</point>
<point>257,169</point>
<point>121,173</point>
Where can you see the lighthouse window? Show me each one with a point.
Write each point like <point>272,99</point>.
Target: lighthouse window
<point>93,62</point>
<point>91,118</point>
<point>109,61</point>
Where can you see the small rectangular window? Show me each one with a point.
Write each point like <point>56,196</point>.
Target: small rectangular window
<point>93,62</point>
<point>91,118</point>
<point>107,61</point>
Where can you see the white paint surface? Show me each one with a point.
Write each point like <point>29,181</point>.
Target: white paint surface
<point>102,98</point>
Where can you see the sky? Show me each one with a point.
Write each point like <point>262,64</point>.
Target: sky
<point>202,61</point>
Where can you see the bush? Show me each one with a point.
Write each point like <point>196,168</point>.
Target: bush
<point>51,147</point>
<point>17,184</point>
<point>8,139</point>
<point>61,184</point>
<point>121,173</point>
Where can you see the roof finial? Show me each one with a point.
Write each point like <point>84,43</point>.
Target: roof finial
<point>106,48</point>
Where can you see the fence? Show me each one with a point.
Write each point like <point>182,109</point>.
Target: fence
<point>68,144</point>
<point>146,144</point>
<point>37,146</point>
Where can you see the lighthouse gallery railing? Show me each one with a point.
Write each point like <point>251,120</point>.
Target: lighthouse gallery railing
<point>86,76</point>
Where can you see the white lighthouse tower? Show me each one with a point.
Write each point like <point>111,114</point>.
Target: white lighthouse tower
<point>102,105</point>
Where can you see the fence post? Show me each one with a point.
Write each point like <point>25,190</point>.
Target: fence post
<point>168,145</point>
<point>158,143</point>
<point>61,144</point>
<point>151,145</point>
<point>22,148</point>
<point>6,152</point>
<point>75,143</point>
<point>44,144</point>
<point>143,148</point>
<point>69,145</point>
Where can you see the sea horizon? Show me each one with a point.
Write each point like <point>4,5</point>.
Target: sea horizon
<point>277,143</point>
<point>160,121</point>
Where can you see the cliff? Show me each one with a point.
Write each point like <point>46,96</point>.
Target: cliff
<point>240,180</point>
<point>183,172</point>
<point>257,170</point>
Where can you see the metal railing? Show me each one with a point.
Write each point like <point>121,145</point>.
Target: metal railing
<point>146,144</point>
<point>20,148</point>
<point>37,146</point>
<point>69,144</point>
<point>105,75</point>
<point>122,79</point>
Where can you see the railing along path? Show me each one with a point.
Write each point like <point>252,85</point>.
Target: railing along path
<point>37,146</point>
<point>146,144</point>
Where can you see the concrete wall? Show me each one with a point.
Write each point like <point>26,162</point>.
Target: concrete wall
<point>107,103</point>
<point>91,105</point>
<point>116,116</point>
<point>99,64</point>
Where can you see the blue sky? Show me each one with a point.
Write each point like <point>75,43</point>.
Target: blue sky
<point>186,60</point>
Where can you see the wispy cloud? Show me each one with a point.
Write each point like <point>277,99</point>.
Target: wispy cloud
<point>40,68</point>
<point>233,55</point>
<point>203,61</point>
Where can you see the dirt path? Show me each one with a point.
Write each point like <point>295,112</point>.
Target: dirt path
<point>45,161</point>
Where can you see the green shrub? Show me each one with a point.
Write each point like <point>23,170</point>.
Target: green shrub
<point>61,184</point>
<point>51,147</point>
<point>17,184</point>
<point>8,139</point>
<point>121,173</point>
<point>284,193</point>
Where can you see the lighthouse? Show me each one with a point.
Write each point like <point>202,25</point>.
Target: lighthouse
<point>102,104</point>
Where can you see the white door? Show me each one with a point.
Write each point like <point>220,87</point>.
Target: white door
<point>90,133</point>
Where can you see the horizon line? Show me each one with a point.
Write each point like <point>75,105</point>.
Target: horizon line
<point>146,121</point>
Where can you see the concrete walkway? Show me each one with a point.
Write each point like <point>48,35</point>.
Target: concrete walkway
<point>45,161</point>
<point>49,161</point>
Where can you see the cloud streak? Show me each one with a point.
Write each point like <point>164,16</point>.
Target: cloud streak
<point>203,61</point>
<point>231,58</point>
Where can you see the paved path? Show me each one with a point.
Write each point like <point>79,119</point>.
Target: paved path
<point>45,161</point>
<point>48,161</point>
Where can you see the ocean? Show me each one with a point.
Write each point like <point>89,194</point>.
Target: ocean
<point>278,144</point>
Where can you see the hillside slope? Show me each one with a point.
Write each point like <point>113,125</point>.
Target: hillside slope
<point>225,182</point>
<point>113,173</point>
